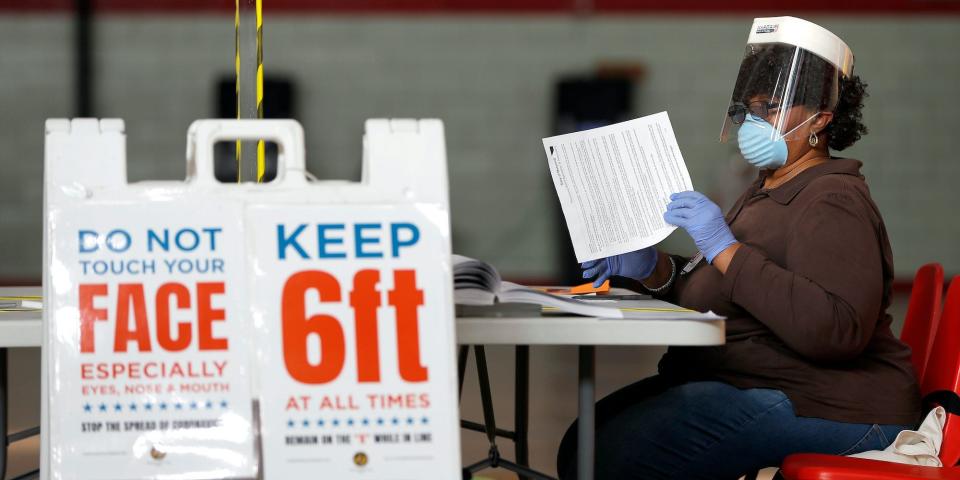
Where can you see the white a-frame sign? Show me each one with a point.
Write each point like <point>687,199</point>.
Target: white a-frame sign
<point>203,330</point>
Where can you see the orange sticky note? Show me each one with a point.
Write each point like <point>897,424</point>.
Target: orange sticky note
<point>588,288</point>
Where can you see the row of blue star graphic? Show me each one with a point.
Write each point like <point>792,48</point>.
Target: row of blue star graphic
<point>336,422</point>
<point>150,406</point>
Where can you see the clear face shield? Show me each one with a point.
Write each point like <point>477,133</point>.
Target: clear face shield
<point>783,85</point>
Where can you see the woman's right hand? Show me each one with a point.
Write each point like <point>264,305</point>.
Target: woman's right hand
<point>638,265</point>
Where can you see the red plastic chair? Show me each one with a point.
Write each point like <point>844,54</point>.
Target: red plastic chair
<point>941,384</point>
<point>923,314</point>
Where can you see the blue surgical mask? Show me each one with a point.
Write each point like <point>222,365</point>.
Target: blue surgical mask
<point>758,146</point>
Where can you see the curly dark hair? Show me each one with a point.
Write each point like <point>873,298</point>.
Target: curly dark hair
<point>847,126</point>
<point>760,75</point>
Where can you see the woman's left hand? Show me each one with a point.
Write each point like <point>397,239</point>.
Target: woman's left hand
<point>703,220</point>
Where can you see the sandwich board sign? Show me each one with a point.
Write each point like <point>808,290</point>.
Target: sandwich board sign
<point>200,330</point>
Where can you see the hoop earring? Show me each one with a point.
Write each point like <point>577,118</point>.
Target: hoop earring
<point>814,139</point>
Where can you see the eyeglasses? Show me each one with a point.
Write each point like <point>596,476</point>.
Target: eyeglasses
<point>760,109</point>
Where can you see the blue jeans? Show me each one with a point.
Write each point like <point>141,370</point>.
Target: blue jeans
<point>708,430</point>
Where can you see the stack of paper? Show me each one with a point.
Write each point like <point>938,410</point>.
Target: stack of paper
<point>478,283</point>
<point>20,303</point>
<point>615,182</point>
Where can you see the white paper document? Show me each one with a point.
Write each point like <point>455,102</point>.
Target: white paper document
<point>614,184</point>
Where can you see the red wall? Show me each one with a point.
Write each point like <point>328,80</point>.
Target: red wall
<point>509,6</point>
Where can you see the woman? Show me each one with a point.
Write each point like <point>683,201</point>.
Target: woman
<point>801,268</point>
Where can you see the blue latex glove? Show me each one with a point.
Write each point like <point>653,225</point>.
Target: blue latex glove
<point>638,264</point>
<point>702,219</point>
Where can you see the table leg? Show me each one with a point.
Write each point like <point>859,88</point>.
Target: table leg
<point>521,404</point>
<point>486,398</point>
<point>585,421</point>
<point>462,366</point>
<point>3,413</point>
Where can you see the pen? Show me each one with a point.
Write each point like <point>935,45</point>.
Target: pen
<point>692,263</point>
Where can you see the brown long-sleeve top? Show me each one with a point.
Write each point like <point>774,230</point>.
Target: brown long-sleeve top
<point>805,298</point>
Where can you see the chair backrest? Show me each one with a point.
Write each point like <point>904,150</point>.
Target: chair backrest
<point>943,372</point>
<point>923,315</point>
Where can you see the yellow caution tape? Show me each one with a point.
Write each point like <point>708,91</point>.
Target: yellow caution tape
<point>236,45</point>
<point>640,309</point>
<point>261,151</point>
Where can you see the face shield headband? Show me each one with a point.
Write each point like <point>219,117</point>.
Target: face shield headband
<point>787,84</point>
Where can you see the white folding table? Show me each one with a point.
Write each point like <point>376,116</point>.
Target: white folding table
<point>17,329</point>
<point>586,333</point>
<point>23,329</point>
